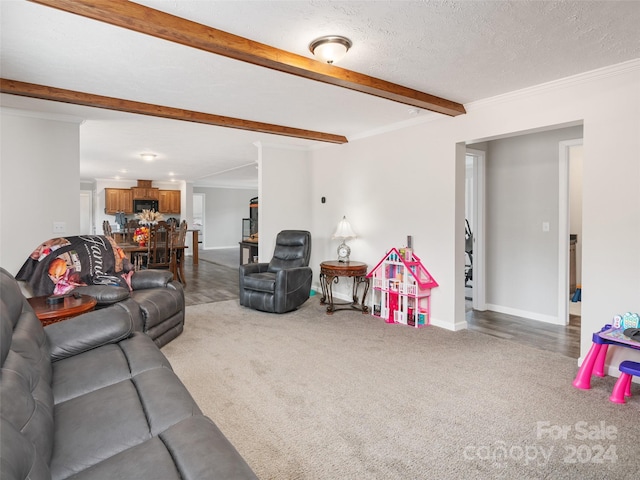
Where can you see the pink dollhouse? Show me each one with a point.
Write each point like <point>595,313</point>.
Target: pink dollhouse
<point>401,289</point>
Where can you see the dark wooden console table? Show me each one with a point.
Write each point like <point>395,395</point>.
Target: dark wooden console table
<point>330,273</point>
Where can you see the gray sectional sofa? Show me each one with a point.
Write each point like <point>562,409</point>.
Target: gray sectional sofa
<point>93,398</point>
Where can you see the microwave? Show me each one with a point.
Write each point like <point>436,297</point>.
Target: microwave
<point>139,205</point>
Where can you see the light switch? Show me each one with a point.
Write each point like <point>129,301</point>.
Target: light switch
<point>545,226</point>
<point>59,227</point>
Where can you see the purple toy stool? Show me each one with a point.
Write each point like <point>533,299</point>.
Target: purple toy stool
<point>622,388</point>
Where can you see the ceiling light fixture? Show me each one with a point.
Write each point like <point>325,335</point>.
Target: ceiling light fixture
<point>148,157</point>
<point>330,48</point>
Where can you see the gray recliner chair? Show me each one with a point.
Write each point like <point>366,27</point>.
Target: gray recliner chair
<point>284,283</point>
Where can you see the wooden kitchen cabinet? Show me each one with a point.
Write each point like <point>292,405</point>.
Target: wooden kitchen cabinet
<point>118,200</point>
<point>169,201</point>
<point>145,193</point>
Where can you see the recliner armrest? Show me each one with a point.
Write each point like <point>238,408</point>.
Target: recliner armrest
<point>88,331</point>
<point>250,268</point>
<point>293,278</point>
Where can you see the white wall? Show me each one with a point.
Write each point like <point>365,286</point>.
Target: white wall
<point>39,182</point>
<point>224,210</point>
<point>285,177</point>
<point>406,182</point>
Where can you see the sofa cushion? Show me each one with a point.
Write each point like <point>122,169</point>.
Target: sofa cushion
<point>96,426</point>
<point>113,417</point>
<point>105,366</point>
<point>150,459</point>
<point>201,450</point>
<point>193,449</point>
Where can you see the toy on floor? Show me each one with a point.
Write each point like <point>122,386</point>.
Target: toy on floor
<point>577,295</point>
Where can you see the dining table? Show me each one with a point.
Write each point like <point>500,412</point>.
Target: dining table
<point>176,267</point>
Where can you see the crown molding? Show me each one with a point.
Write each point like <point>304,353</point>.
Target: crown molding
<point>592,75</point>
<point>59,117</point>
<point>578,79</point>
<point>424,117</point>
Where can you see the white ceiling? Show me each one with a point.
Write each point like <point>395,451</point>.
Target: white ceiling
<point>463,51</point>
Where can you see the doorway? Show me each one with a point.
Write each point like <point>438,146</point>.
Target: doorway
<point>570,237</point>
<point>518,212</point>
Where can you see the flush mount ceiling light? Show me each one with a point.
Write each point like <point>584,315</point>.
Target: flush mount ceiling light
<point>330,48</point>
<point>148,157</point>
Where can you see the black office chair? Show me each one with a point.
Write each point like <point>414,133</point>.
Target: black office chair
<point>284,283</point>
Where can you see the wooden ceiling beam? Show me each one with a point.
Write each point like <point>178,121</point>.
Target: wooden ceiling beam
<point>162,25</point>
<point>43,92</point>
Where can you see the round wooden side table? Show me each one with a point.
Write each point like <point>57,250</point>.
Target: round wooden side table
<point>330,273</point>
<point>70,307</point>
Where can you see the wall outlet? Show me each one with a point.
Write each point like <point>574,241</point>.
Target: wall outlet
<point>545,226</point>
<point>59,227</point>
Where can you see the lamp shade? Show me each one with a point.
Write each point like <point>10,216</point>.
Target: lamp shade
<point>344,230</point>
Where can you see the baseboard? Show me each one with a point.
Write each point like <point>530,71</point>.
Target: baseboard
<point>525,314</point>
<point>448,326</point>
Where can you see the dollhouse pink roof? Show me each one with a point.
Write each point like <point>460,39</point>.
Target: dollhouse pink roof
<point>422,276</point>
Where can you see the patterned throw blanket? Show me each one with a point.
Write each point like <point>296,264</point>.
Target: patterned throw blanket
<point>59,265</point>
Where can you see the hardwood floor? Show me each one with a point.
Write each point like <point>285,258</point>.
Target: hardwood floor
<point>209,282</point>
<point>544,336</point>
<point>214,282</point>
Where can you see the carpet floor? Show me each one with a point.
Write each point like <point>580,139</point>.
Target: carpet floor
<point>306,395</point>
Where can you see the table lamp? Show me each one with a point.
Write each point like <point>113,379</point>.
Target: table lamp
<point>344,232</point>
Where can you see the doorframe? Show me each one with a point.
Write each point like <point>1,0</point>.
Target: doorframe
<point>563,228</point>
<point>88,194</point>
<point>478,221</point>
<point>204,220</point>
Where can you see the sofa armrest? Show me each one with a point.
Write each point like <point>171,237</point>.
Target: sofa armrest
<point>88,331</point>
<point>144,279</point>
<point>104,294</point>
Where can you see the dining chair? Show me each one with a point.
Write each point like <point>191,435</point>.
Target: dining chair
<point>159,251</point>
<point>106,228</point>
<point>130,229</point>
<point>178,237</point>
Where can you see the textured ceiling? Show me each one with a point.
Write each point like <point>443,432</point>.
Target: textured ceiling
<point>460,50</point>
